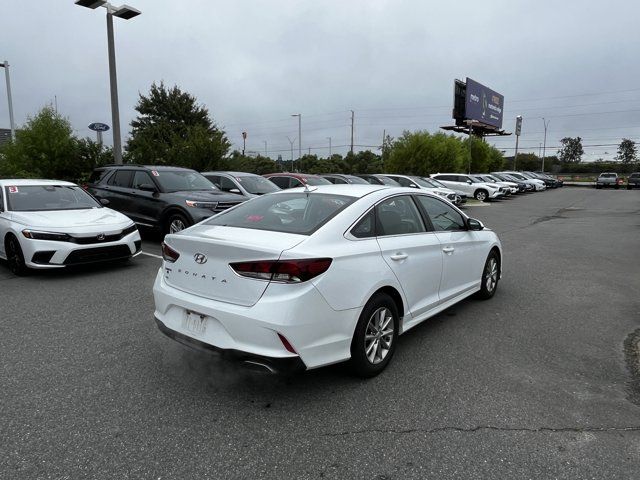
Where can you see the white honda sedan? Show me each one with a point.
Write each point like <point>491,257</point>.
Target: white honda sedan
<point>53,224</point>
<point>299,279</point>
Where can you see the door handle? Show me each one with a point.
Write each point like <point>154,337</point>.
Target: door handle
<point>399,256</point>
<point>448,250</point>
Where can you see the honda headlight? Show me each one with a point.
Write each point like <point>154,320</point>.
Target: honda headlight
<point>54,236</point>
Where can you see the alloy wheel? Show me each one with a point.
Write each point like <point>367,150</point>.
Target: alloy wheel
<point>491,274</point>
<point>176,225</point>
<point>379,335</point>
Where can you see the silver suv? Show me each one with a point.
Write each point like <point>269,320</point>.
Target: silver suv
<point>607,179</point>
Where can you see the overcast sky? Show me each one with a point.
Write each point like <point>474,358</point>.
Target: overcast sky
<point>253,63</point>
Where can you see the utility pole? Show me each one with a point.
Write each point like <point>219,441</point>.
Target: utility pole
<point>544,146</point>
<point>299,115</point>
<point>352,120</point>
<point>244,142</point>
<point>329,138</point>
<point>291,142</point>
<point>309,150</point>
<point>12,124</point>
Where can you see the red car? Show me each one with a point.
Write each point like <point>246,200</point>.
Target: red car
<point>291,180</point>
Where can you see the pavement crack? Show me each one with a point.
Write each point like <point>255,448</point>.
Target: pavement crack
<point>479,428</point>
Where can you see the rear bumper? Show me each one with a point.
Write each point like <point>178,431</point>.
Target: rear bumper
<point>280,365</point>
<point>319,334</point>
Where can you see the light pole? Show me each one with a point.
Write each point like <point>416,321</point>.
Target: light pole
<point>125,12</point>
<point>329,138</point>
<point>5,65</point>
<point>291,142</point>
<point>518,131</point>
<point>299,115</point>
<point>544,145</point>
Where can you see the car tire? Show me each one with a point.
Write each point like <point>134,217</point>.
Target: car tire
<point>15,257</point>
<point>481,195</point>
<point>490,277</point>
<point>175,223</point>
<point>368,354</point>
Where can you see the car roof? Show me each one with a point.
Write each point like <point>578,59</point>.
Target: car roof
<point>351,190</point>
<point>296,175</point>
<point>233,174</point>
<point>133,166</point>
<point>33,182</point>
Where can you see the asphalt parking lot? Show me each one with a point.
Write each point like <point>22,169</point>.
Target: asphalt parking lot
<point>531,384</point>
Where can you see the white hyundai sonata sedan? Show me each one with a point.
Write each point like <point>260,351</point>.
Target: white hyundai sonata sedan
<point>299,279</point>
<point>53,224</point>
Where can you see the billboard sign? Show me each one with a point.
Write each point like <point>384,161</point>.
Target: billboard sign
<point>483,104</point>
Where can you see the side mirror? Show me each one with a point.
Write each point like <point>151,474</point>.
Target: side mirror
<point>234,190</point>
<point>473,224</point>
<point>147,187</point>
<point>413,185</point>
<point>104,202</point>
<point>469,182</point>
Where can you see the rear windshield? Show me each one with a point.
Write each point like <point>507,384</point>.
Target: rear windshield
<point>299,213</point>
<point>634,175</point>
<point>608,175</point>
<point>256,184</point>
<point>182,180</point>
<point>388,181</point>
<point>48,197</point>
<point>354,179</point>
<point>317,181</point>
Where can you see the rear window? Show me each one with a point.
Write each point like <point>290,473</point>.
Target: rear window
<point>300,213</point>
<point>634,175</point>
<point>608,175</point>
<point>97,176</point>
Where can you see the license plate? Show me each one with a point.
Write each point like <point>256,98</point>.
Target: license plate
<point>195,323</point>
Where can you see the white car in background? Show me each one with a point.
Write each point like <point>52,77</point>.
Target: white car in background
<point>512,186</point>
<point>471,186</point>
<point>53,224</point>
<point>539,185</point>
<point>299,279</point>
<point>413,181</point>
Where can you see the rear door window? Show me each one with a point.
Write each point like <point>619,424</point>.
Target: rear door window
<point>398,216</point>
<point>282,182</point>
<point>122,178</point>
<point>97,176</point>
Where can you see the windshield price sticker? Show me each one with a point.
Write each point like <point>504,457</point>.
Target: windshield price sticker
<point>13,189</point>
<point>155,173</point>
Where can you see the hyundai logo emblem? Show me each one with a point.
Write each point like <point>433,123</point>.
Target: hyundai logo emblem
<point>200,258</point>
<point>100,237</point>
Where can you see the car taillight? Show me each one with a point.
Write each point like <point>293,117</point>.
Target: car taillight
<point>169,254</point>
<point>286,271</point>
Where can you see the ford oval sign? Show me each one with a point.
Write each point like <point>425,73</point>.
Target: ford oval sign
<point>99,127</point>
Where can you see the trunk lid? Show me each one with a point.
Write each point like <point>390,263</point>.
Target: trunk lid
<point>206,252</point>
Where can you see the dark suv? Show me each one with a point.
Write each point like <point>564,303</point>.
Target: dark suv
<point>165,198</point>
<point>633,181</point>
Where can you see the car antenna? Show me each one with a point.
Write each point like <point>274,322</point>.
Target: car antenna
<point>308,190</point>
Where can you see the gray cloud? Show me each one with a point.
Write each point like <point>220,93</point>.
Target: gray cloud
<point>253,63</point>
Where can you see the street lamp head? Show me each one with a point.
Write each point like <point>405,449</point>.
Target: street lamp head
<point>126,12</point>
<point>296,114</point>
<point>91,3</point>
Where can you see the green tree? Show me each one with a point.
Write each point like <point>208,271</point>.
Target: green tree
<point>627,151</point>
<point>44,148</point>
<point>172,129</point>
<point>258,165</point>
<point>571,150</point>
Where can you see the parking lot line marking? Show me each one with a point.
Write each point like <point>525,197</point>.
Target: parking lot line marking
<point>152,255</point>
